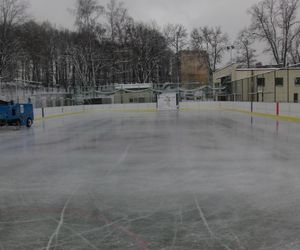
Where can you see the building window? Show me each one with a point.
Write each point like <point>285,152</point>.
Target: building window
<point>142,100</point>
<point>260,82</point>
<point>297,81</point>
<point>296,99</point>
<point>278,81</point>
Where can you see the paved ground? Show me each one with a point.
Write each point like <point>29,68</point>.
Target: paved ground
<point>191,180</point>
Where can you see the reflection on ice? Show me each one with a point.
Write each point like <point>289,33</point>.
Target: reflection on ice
<point>186,180</point>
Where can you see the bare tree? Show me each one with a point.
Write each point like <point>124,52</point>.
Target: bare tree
<point>244,43</point>
<point>294,52</point>
<point>119,26</point>
<point>149,49</point>
<point>12,13</point>
<point>118,21</point>
<point>210,44</point>
<point>87,14</point>
<point>275,22</point>
<point>88,57</point>
<point>176,35</point>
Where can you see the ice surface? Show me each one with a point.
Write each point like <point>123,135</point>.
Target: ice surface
<point>187,180</point>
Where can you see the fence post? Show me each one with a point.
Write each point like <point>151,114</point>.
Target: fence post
<point>288,85</point>
<point>275,88</point>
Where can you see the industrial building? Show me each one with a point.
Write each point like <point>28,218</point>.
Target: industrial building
<point>134,93</point>
<point>262,84</point>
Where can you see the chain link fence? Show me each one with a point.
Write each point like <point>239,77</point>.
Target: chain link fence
<point>38,95</point>
<point>42,97</point>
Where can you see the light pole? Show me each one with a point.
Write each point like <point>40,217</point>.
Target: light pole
<point>231,48</point>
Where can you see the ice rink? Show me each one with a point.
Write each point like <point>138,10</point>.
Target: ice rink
<point>157,180</point>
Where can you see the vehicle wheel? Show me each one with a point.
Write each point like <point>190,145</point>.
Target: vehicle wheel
<point>29,123</point>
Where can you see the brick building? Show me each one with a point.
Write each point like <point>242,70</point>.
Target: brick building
<point>193,69</point>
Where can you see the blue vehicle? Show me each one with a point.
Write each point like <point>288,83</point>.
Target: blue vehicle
<point>12,114</point>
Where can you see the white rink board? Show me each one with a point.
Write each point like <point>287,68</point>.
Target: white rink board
<point>167,101</point>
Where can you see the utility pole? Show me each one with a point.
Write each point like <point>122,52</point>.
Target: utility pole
<point>288,83</point>
<point>231,48</point>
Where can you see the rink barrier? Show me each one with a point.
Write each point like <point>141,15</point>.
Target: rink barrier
<point>56,112</point>
<point>282,111</point>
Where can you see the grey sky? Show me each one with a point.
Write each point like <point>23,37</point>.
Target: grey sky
<point>230,14</point>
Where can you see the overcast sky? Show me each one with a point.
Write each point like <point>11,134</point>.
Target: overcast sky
<point>230,14</point>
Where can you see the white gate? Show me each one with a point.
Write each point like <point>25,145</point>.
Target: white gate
<point>167,101</point>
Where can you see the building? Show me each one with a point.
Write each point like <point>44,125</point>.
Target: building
<point>134,93</point>
<point>194,71</point>
<point>117,94</point>
<point>263,84</point>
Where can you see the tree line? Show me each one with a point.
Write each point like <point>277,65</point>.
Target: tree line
<point>108,46</point>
